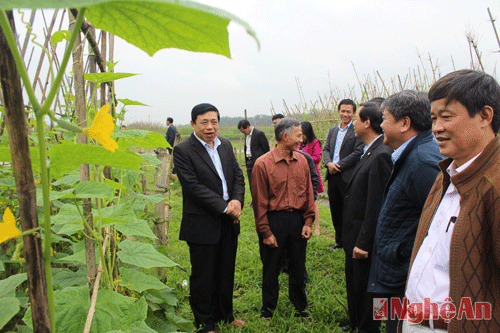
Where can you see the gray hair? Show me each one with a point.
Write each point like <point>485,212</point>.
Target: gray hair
<point>412,104</point>
<point>285,125</point>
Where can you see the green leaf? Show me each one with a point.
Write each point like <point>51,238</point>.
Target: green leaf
<point>59,36</point>
<point>92,189</point>
<point>127,177</point>
<point>139,281</point>
<point>167,24</point>
<point>166,295</point>
<point>127,101</point>
<point>152,159</point>
<point>150,139</point>
<point>69,179</point>
<point>142,255</point>
<point>34,153</point>
<point>79,254</point>
<point>67,278</point>
<point>114,185</point>
<point>67,214</point>
<point>136,228</point>
<point>68,156</point>
<point>153,198</point>
<point>9,307</point>
<point>114,312</point>
<point>54,195</point>
<point>117,312</point>
<point>106,76</point>
<point>8,286</point>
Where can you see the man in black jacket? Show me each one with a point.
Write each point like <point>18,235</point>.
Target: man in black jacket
<point>256,145</point>
<point>341,152</point>
<point>171,132</point>
<point>362,203</point>
<point>213,190</point>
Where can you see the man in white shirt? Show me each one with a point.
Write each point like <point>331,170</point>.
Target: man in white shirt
<point>454,278</point>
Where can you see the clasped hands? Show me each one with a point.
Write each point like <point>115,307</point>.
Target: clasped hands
<point>333,168</point>
<point>234,210</point>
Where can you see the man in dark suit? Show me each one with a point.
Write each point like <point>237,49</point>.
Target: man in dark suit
<point>362,203</point>
<point>341,152</point>
<point>256,145</point>
<point>171,132</point>
<point>213,189</point>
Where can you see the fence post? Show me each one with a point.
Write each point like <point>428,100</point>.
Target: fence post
<point>162,209</point>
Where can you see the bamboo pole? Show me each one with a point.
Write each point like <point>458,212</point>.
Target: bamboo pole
<point>15,118</point>
<point>81,118</point>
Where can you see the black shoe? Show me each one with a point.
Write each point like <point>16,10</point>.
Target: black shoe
<point>335,246</point>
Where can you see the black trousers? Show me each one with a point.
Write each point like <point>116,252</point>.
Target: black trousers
<point>287,228</point>
<point>249,165</point>
<point>359,301</point>
<point>391,325</point>
<point>212,278</point>
<point>336,193</point>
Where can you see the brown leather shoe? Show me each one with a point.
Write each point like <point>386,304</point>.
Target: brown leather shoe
<point>238,323</point>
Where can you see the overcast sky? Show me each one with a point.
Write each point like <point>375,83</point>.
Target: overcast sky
<point>316,41</point>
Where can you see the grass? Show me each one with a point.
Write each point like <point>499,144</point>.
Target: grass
<point>324,265</point>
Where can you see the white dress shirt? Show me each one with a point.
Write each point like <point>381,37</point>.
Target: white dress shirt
<point>430,272</point>
<point>248,140</point>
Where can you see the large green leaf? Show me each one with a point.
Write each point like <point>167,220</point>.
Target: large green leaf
<point>34,154</point>
<point>142,255</point>
<point>54,195</point>
<point>9,285</point>
<point>69,179</point>
<point>79,254</point>
<point>64,277</point>
<point>135,228</point>
<point>113,311</point>
<point>68,156</point>
<point>9,306</point>
<point>106,76</point>
<point>139,281</point>
<point>152,25</point>
<point>92,189</point>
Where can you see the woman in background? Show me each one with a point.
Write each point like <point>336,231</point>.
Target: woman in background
<point>312,146</point>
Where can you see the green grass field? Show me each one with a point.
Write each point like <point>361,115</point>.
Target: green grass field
<point>325,266</point>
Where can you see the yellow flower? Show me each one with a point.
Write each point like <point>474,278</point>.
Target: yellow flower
<point>102,128</point>
<point>8,228</point>
<point>37,181</point>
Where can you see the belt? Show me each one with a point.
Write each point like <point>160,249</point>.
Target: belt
<point>248,158</point>
<point>438,323</point>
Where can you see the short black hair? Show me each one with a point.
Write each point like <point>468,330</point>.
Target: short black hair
<point>243,124</point>
<point>373,113</point>
<point>170,120</point>
<point>347,101</point>
<point>202,109</point>
<point>473,89</point>
<point>285,125</point>
<point>377,100</point>
<point>411,104</point>
<point>278,116</point>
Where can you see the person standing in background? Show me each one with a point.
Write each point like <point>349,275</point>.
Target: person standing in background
<point>256,145</point>
<point>171,132</point>
<point>312,146</point>
<point>341,152</point>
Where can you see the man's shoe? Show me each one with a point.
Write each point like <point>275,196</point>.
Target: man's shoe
<point>346,328</point>
<point>238,323</point>
<point>265,319</point>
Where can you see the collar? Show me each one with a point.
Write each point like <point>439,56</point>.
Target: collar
<point>397,153</point>
<point>345,128</point>
<point>278,157</point>
<point>371,143</point>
